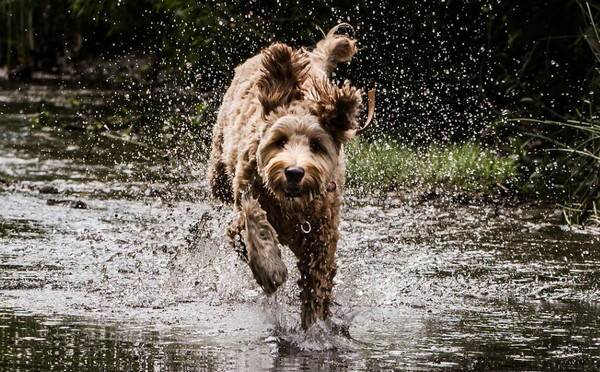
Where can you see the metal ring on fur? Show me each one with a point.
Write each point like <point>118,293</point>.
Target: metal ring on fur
<point>306,229</point>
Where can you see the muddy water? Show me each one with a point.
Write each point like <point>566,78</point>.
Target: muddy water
<point>106,263</point>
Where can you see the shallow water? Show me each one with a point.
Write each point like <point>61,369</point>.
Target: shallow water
<point>141,278</point>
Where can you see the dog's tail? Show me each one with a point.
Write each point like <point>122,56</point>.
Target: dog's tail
<point>334,48</point>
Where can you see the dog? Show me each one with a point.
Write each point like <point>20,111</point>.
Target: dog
<point>277,155</point>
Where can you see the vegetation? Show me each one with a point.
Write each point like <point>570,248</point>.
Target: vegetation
<point>389,165</point>
<point>577,168</point>
<point>575,144</point>
<point>450,66</point>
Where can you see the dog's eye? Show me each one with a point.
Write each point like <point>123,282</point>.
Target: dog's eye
<point>315,146</point>
<point>281,142</point>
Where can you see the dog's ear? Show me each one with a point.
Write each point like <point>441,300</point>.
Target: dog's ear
<point>282,74</point>
<point>337,108</point>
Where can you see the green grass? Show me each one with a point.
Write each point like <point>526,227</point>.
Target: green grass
<point>388,166</point>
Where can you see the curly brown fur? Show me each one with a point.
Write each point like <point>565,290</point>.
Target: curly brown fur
<point>277,149</point>
<point>283,73</point>
<point>264,256</point>
<point>337,108</point>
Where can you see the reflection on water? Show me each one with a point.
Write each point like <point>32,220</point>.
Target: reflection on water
<point>142,279</point>
<point>58,343</point>
<point>534,337</point>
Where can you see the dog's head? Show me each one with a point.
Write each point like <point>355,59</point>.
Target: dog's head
<point>299,153</point>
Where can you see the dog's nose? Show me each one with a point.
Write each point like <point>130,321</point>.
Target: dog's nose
<point>294,174</point>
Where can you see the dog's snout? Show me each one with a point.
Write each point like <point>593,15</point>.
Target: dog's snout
<point>294,174</point>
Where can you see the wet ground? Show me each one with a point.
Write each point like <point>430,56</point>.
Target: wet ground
<point>106,263</point>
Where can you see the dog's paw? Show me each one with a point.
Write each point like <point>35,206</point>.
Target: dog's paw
<point>264,256</point>
<point>269,271</point>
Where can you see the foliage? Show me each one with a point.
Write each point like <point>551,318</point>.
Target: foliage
<point>576,143</point>
<point>388,165</point>
<point>539,56</point>
<point>52,34</point>
<point>580,166</point>
<point>444,69</point>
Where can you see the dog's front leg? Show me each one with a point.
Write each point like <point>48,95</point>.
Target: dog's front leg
<point>262,245</point>
<point>317,266</point>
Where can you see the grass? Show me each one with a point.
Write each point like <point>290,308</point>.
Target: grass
<point>580,157</point>
<point>467,167</point>
<point>576,144</point>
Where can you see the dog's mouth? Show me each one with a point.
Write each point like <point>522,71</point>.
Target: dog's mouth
<point>293,191</point>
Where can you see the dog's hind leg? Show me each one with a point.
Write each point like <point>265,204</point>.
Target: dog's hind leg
<point>261,245</point>
<point>220,184</point>
<point>218,179</point>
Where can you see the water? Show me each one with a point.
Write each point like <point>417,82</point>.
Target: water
<point>106,263</point>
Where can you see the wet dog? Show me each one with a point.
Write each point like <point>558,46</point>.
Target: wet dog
<point>277,154</point>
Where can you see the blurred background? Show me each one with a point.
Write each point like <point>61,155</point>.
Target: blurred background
<point>483,88</point>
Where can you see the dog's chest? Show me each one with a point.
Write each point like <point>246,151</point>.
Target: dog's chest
<point>294,225</point>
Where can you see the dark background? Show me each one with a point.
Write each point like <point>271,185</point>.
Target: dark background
<point>445,70</point>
